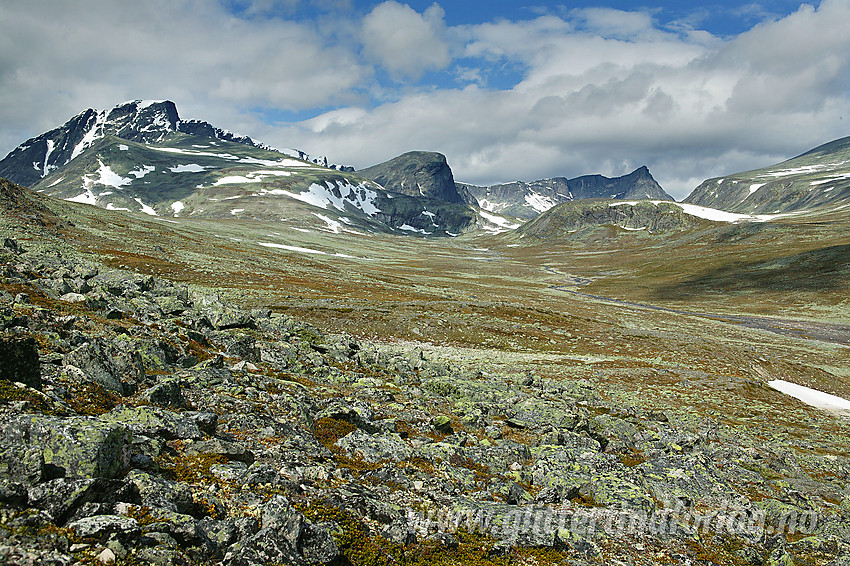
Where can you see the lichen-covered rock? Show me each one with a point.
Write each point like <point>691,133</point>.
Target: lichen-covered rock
<point>100,526</point>
<point>65,499</point>
<point>74,447</point>
<point>156,422</point>
<point>165,393</point>
<point>94,363</point>
<point>375,448</point>
<point>161,493</point>
<point>19,360</point>
<point>230,450</point>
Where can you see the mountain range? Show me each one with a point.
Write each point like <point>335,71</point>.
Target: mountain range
<point>141,156</point>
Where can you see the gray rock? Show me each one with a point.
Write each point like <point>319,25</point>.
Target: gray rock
<point>229,450</point>
<point>100,526</point>
<point>63,499</point>
<point>160,493</point>
<point>19,360</point>
<point>156,422</point>
<point>375,448</point>
<point>265,547</point>
<point>166,393</point>
<point>95,364</point>
<point>74,447</point>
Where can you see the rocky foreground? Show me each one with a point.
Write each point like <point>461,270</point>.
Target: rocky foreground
<point>147,422</point>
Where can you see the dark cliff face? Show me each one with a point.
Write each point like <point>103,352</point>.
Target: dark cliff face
<point>417,173</point>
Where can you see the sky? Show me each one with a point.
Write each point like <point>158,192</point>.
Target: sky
<point>507,90</point>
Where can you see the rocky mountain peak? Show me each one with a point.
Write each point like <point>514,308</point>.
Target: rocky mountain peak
<point>416,173</point>
<point>144,121</point>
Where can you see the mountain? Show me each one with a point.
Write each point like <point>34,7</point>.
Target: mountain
<point>575,217</point>
<point>527,200</point>
<point>416,173</point>
<point>141,157</point>
<point>817,178</point>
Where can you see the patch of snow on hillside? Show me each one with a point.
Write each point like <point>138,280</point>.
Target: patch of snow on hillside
<point>142,104</point>
<point>144,170</point>
<point>195,153</point>
<point>111,206</point>
<point>236,211</point>
<point>236,180</point>
<point>502,224</point>
<point>90,136</point>
<point>804,170</point>
<point>145,208</point>
<point>490,206</point>
<point>47,168</point>
<point>56,182</point>
<point>177,207</point>
<point>123,147</point>
<point>539,202</point>
<point>292,248</point>
<point>106,177</point>
<point>333,226</point>
<point>810,396</point>
<point>86,198</point>
<point>756,186</point>
<point>408,228</point>
<point>275,163</point>
<point>337,195</point>
<point>188,168</point>
<point>712,214</point>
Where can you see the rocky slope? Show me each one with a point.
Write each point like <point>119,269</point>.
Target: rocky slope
<point>152,422</point>
<point>527,200</point>
<point>816,179</point>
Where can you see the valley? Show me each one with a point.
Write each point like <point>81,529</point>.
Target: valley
<point>341,367</point>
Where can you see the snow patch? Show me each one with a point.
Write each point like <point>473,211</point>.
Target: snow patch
<point>408,228</point>
<point>111,206</point>
<point>756,186</point>
<point>333,226</point>
<point>711,213</point>
<point>811,397</point>
<point>501,224</point>
<point>144,170</point>
<point>292,248</point>
<point>337,195</point>
<point>145,208</point>
<point>188,168</point>
<point>106,176</point>
<point>236,211</point>
<point>123,147</point>
<point>539,202</point>
<point>177,207</point>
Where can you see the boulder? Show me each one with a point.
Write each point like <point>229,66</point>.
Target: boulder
<point>75,447</point>
<point>19,360</point>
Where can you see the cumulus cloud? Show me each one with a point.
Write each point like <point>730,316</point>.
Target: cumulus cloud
<point>606,93</point>
<point>596,91</point>
<point>58,58</point>
<point>405,42</point>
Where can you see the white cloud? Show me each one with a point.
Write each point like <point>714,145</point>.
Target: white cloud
<point>405,42</point>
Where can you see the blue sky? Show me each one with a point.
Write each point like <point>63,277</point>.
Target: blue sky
<point>506,90</point>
